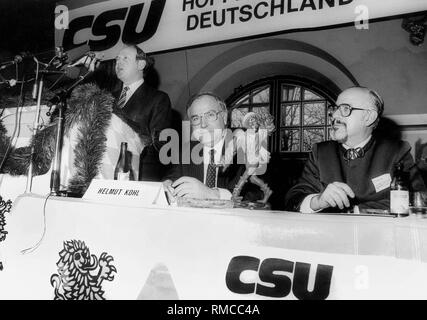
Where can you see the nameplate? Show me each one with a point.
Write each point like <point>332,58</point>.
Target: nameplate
<point>134,193</point>
<point>382,182</point>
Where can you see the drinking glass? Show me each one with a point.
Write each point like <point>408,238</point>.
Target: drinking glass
<point>418,204</point>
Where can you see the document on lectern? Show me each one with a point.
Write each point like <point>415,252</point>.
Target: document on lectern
<point>130,193</point>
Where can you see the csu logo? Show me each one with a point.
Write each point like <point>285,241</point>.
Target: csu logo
<point>103,27</point>
<point>271,271</point>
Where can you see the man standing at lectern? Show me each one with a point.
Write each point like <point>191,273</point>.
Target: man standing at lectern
<point>145,109</point>
<point>357,166</point>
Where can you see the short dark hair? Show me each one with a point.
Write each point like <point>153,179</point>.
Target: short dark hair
<point>141,55</point>
<point>195,97</point>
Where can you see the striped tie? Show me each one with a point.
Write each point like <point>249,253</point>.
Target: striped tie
<point>211,172</point>
<point>122,100</point>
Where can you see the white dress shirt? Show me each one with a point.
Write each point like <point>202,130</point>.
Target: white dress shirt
<point>224,194</point>
<point>305,204</point>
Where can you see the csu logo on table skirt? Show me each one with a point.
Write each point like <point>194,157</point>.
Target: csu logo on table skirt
<point>80,274</point>
<point>279,285</point>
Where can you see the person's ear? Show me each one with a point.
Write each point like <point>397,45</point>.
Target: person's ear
<point>225,117</point>
<point>370,117</point>
<point>141,64</point>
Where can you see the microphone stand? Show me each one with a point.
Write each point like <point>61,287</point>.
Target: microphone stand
<point>36,125</point>
<point>61,100</point>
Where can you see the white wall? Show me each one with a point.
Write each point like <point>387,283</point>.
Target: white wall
<point>381,58</point>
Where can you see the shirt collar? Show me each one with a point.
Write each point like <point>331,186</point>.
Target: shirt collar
<point>360,145</point>
<point>135,85</point>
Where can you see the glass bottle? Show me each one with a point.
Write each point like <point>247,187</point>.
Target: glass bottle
<point>122,172</point>
<point>399,193</point>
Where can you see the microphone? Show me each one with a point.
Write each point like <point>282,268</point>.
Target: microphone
<point>63,59</point>
<point>89,60</point>
<point>17,59</point>
<point>81,57</point>
<point>76,53</point>
<point>72,72</point>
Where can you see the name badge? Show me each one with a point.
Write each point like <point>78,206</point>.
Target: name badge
<point>134,193</point>
<point>382,182</point>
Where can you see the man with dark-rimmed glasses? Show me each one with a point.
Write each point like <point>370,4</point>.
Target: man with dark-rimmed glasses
<point>205,177</point>
<point>356,167</point>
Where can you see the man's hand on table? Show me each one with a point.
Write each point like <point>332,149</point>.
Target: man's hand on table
<point>167,185</point>
<point>189,187</point>
<point>336,194</point>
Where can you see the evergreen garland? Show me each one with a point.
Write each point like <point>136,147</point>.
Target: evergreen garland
<point>88,106</point>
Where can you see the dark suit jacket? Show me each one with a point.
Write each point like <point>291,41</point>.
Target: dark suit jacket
<point>148,112</point>
<point>326,164</point>
<point>227,176</point>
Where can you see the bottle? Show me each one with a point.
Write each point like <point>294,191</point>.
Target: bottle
<point>122,172</point>
<point>399,193</point>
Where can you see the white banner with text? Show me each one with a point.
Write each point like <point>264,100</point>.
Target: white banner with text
<point>64,248</point>
<point>159,25</point>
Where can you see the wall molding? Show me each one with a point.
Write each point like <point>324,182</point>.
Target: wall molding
<point>409,120</point>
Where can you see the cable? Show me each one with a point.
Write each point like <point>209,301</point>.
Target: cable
<point>31,249</point>
<point>35,54</point>
<point>56,81</point>
<point>17,120</point>
<point>18,81</point>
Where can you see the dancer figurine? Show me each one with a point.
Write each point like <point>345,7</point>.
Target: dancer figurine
<point>251,145</point>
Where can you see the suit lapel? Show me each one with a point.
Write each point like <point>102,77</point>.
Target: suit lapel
<point>330,160</point>
<point>137,96</point>
<point>199,172</point>
<point>196,170</point>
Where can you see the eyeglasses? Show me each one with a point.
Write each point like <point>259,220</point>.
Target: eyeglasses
<point>345,109</point>
<point>209,116</point>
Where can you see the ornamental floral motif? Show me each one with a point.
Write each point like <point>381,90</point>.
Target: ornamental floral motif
<point>5,207</point>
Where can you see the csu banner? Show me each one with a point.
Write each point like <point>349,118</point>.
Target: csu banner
<point>68,248</point>
<point>160,25</point>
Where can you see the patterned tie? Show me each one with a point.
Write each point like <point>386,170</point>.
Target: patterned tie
<point>351,154</point>
<point>211,173</point>
<point>122,100</point>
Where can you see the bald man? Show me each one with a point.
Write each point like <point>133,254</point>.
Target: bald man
<point>355,168</point>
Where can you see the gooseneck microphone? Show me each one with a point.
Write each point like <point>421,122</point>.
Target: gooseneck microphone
<point>17,59</point>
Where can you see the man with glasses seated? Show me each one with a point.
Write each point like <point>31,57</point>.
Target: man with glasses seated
<point>356,167</point>
<point>206,175</point>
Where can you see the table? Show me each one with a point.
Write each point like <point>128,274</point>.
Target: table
<point>132,252</point>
